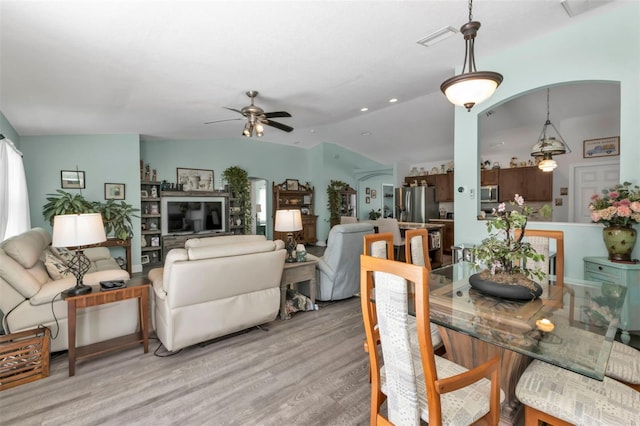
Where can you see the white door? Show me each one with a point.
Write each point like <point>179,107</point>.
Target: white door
<point>589,179</point>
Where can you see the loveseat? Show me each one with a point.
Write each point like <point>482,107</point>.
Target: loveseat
<point>32,276</point>
<point>216,286</point>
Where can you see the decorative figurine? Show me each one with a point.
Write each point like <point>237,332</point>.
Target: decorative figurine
<point>147,172</point>
<point>155,175</point>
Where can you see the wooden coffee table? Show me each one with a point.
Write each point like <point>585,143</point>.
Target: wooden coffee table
<point>136,288</point>
<point>297,272</point>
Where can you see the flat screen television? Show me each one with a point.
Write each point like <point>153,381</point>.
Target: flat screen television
<point>191,215</point>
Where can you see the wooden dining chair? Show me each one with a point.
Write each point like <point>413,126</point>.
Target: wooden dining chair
<point>379,245</point>
<point>416,247</point>
<point>561,397</point>
<point>416,252</point>
<point>539,239</point>
<point>389,224</point>
<point>416,383</point>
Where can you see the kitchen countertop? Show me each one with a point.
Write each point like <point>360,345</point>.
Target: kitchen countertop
<point>417,225</point>
<point>440,220</point>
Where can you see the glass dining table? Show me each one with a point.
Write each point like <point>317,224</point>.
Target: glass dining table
<point>572,325</point>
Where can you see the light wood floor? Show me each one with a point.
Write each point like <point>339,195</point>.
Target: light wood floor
<point>309,370</point>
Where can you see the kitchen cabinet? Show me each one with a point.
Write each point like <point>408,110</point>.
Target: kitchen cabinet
<point>489,177</point>
<point>530,182</point>
<point>302,199</point>
<point>603,270</point>
<point>447,233</point>
<point>444,187</point>
<point>422,180</point>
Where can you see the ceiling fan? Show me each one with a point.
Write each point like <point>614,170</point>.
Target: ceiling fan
<point>256,117</point>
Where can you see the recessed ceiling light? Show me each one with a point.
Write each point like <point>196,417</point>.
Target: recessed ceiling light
<point>365,133</point>
<point>364,109</point>
<point>393,100</point>
<point>437,36</point>
<point>296,143</point>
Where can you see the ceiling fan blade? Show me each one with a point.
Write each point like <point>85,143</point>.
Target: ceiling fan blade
<point>233,109</point>
<point>219,121</point>
<point>277,125</point>
<point>277,114</point>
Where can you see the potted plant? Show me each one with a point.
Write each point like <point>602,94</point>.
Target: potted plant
<point>240,187</point>
<point>334,190</point>
<point>505,256</point>
<point>375,214</point>
<point>618,208</point>
<point>115,216</point>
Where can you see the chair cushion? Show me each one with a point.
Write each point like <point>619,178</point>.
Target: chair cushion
<point>624,364</point>
<point>459,407</point>
<point>577,399</point>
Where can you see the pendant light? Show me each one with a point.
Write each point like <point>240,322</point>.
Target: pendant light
<point>547,145</point>
<point>472,87</point>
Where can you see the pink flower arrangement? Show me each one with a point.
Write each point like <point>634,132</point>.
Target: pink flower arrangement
<point>618,206</point>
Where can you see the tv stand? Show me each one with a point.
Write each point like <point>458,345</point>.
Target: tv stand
<point>177,241</point>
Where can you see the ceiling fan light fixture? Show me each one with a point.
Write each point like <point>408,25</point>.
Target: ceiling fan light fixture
<point>472,87</point>
<point>247,130</point>
<point>259,129</point>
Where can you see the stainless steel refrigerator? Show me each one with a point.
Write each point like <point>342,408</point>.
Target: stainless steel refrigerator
<point>416,204</point>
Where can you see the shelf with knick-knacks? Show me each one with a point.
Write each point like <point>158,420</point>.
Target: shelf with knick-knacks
<point>150,224</point>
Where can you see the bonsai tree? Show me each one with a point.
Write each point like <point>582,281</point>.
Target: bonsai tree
<point>334,189</point>
<point>116,217</point>
<point>239,185</point>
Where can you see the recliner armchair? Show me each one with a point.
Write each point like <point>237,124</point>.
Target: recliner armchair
<point>339,268</point>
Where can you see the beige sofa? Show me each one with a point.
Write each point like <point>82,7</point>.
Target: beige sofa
<point>27,291</point>
<point>216,286</point>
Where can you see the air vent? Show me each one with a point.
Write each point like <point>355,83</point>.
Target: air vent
<point>437,36</point>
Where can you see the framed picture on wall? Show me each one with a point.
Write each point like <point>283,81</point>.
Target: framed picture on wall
<point>603,147</point>
<point>72,179</point>
<point>114,191</point>
<point>293,185</point>
<point>374,193</point>
<point>367,190</point>
<point>367,200</point>
<point>195,179</point>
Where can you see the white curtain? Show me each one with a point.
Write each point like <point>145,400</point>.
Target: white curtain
<point>14,199</point>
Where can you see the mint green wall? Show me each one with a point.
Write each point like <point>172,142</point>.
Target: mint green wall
<point>8,131</point>
<point>104,159</point>
<point>605,47</point>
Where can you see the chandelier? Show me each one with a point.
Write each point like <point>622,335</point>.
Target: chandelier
<point>472,87</point>
<point>547,145</point>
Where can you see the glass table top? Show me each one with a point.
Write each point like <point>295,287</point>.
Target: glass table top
<point>581,318</point>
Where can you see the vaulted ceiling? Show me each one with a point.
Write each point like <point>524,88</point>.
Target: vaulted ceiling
<point>163,68</point>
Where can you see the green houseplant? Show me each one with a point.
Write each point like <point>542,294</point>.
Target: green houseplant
<point>115,216</point>
<point>240,187</point>
<point>505,256</point>
<point>334,189</point>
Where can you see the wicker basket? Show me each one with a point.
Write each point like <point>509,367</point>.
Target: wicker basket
<point>24,357</point>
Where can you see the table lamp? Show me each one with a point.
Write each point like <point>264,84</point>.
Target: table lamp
<point>78,230</point>
<point>289,221</point>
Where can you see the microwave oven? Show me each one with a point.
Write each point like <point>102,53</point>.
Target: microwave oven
<point>489,194</point>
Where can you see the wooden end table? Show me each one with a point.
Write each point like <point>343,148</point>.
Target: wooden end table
<point>297,272</point>
<point>136,288</point>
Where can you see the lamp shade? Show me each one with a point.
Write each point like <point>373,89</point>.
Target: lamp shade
<point>288,220</point>
<point>549,145</point>
<point>547,165</point>
<point>469,89</point>
<point>75,230</point>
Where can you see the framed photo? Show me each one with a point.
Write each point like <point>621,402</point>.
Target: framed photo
<point>114,191</point>
<point>293,185</point>
<point>374,193</point>
<point>603,147</point>
<point>195,179</point>
<point>367,200</point>
<point>72,179</point>
<point>155,241</point>
<point>367,190</point>
<point>144,194</point>
<point>144,259</point>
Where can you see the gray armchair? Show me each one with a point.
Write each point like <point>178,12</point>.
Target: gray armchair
<point>339,268</point>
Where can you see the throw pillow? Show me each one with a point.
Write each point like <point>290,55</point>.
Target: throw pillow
<point>64,254</point>
<point>56,268</point>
